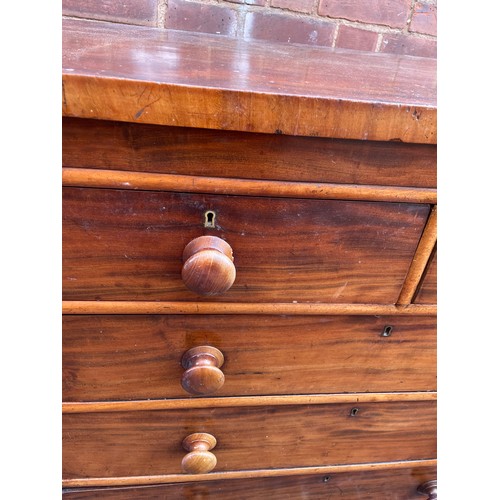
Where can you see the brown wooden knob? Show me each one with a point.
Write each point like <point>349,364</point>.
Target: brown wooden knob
<point>199,460</point>
<point>202,375</point>
<point>208,266</point>
<point>429,488</point>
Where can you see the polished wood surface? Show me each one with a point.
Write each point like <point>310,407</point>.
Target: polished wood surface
<point>388,467</point>
<point>109,357</point>
<point>397,484</point>
<point>137,147</point>
<point>138,74</point>
<point>427,292</point>
<point>80,177</point>
<point>128,245</point>
<point>208,265</point>
<point>311,373</point>
<point>180,307</point>
<point>243,401</point>
<point>199,460</point>
<point>202,373</point>
<point>420,260</point>
<point>150,442</point>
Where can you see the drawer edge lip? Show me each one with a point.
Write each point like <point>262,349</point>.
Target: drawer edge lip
<point>152,181</point>
<point>75,307</point>
<point>295,471</point>
<point>241,401</point>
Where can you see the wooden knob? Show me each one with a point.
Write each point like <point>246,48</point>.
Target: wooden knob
<point>208,266</point>
<point>199,460</point>
<point>429,488</point>
<point>202,375</point>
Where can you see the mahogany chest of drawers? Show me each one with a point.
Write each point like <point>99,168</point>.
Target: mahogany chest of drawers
<point>249,269</point>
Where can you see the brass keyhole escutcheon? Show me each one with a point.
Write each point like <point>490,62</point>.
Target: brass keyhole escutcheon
<point>209,219</point>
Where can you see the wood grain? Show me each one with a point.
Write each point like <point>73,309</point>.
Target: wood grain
<point>388,467</point>
<point>427,291</point>
<point>208,267</point>
<point>202,374</point>
<point>243,401</point>
<point>79,177</point>
<point>329,221</point>
<point>199,459</point>
<point>355,485</point>
<point>138,74</point>
<point>108,358</point>
<point>420,260</point>
<point>127,245</point>
<point>150,443</point>
<point>140,147</point>
<point>179,307</point>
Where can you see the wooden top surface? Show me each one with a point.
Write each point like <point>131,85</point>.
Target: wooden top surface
<point>150,75</point>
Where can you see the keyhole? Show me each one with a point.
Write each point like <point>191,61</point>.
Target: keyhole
<point>387,331</point>
<point>209,218</point>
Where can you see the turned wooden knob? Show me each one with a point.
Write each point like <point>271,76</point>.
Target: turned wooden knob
<point>199,460</point>
<point>429,488</point>
<point>208,265</point>
<point>202,375</point>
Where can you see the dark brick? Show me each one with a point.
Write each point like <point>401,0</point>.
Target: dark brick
<point>424,19</point>
<point>141,12</point>
<point>284,28</point>
<point>204,18</point>
<point>408,45</point>
<point>305,6</point>
<point>356,39</point>
<point>393,13</point>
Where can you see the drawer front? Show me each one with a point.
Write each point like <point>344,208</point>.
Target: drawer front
<point>143,443</point>
<point>394,484</point>
<point>114,357</point>
<point>190,151</point>
<point>128,245</point>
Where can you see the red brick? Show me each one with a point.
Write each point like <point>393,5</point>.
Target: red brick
<point>305,6</point>
<point>284,28</point>
<point>408,45</point>
<point>424,19</point>
<point>260,3</point>
<point>393,13</point>
<point>356,39</point>
<point>204,18</point>
<point>141,12</point>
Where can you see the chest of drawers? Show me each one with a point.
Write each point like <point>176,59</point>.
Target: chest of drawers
<point>249,269</point>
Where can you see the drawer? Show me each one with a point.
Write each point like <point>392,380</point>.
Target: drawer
<point>189,151</point>
<point>143,443</point>
<point>128,245</point>
<point>393,483</point>
<point>127,357</point>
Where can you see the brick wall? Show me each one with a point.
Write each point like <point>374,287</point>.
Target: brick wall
<point>396,26</point>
